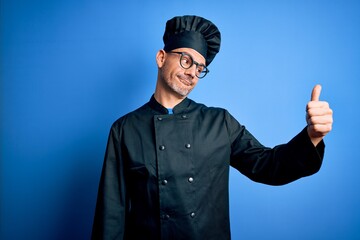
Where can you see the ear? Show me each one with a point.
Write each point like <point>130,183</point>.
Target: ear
<point>160,58</point>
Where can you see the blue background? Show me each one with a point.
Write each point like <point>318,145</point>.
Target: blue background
<point>71,68</point>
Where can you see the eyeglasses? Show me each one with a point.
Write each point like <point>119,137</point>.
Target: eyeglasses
<point>186,62</point>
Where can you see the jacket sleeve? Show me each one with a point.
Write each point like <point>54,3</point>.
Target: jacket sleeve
<point>274,166</point>
<point>109,220</point>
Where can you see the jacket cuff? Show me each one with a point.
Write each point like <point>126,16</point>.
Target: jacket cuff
<point>315,154</point>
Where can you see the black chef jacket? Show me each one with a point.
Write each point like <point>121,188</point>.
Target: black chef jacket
<point>166,176</point>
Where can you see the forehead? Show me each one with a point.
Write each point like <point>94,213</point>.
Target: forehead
<point>195,54</point>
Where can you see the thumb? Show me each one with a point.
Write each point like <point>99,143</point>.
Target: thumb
<point>315,94</point>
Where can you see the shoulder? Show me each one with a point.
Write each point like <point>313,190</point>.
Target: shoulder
<point>210,110</point>
<point>214,116</point>
<point>217,117</point>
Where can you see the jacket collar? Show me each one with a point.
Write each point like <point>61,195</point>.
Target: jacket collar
<point>180,108</point>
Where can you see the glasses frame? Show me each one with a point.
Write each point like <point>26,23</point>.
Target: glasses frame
<point>205,71</point>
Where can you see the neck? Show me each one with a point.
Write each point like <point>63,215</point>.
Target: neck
<point>166,97</point>
<point>167,100</point>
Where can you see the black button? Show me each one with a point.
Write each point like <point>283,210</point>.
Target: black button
<point>184,116</point>
<point>165,216</point>
<point>160,118</point>
<point>192,214</point>
<point>164,182</point>
<point>162,147</point>
<point>188,145</point>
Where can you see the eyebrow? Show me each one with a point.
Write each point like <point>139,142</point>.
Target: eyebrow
<point>200,63</point>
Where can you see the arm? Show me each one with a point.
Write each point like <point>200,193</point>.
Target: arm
<point>109,220</point>
<point>300,157</point>
<point>279,165</point>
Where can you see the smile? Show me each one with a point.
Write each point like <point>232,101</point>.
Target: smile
<point>185,81</point>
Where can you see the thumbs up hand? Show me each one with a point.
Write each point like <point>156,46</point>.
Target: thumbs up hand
<point>318,117</point>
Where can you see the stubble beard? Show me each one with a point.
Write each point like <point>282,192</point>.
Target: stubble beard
<point>179,86</point>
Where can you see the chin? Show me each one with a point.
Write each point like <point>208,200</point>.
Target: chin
<point>176,88</point>
<point>184,93</point>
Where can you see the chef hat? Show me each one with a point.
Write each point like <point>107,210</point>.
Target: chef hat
<point>192,32</point>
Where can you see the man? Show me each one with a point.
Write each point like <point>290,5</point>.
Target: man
<point>166,167</point>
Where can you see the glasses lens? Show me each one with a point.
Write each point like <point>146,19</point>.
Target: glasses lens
<point>201,71</point>
<point>186,61</point>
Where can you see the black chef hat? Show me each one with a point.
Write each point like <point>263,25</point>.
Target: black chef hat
<point>193,32</point>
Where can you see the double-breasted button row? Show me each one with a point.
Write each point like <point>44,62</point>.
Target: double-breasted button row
<point>162,147</point>
<point>164,182</point>
<point>166,216</point>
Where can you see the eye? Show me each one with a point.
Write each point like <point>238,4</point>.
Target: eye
<point>186,61</point>
<point>200,69</point>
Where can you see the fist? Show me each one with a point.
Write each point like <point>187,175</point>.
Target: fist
<point>319,117</point>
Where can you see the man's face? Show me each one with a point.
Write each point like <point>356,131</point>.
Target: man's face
<point>175,78</point>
